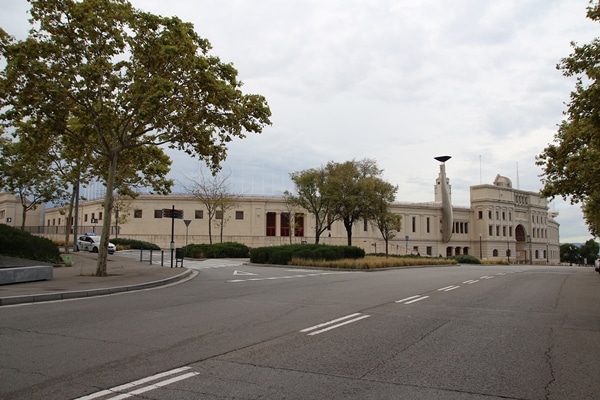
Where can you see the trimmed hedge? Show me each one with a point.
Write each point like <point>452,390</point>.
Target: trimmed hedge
<point>17,243</point>
<point>282,255</point>
<point>466,259</point>
<point>134,244</point>
<point>217,250</point>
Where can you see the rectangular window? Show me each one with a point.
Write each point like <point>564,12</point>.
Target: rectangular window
<point>466,227</point>
<point>428,226</point>
<point>491,230</point>
<point>497,230</point>
<point>365,225</point>
<point>299,225</point>
<point>199,214</point>
<point>414,224</point>
<point>271,223</point>
<point>503,216</point>
<point>158,213</point>
<point>84,218</point>
<point>93,216</point>
<point>59,221</point>
<point>219,214</point>
<point>510,231</point>
<point>53,222</point>
<point>429,250</point>
<point>100,216</point>
<point>285,225</point>
<point>137,214</point>
<point>480,214</point>
<point>239,215</point>
<point>489,214</point>
<point>503,231</point>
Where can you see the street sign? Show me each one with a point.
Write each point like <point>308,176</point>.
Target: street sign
<point>169,213</point>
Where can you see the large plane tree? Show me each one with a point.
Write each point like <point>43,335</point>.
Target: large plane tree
<point>130,78</point>
<point>571,163</point>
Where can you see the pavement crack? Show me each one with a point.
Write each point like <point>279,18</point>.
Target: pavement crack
<point>402,350</point>
<point>549,362</point>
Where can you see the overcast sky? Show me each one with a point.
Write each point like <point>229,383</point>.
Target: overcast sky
<point>398,81</point>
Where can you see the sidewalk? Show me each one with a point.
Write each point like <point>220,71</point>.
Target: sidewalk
<point>124,274</point>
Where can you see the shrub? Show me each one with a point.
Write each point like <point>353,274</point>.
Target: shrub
<point>17,243</point>
<point>217,250</point>
<point>284,254</point>
<point>466,259</point>
<point>133,244</point>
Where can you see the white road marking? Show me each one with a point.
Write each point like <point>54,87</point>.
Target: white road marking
<point>290,276</point>
<point>330,324</point>
<point>444,288</point>
<point>406,299</point>
<point>242,273</point>
<point>139,382</point>
<point>448,288</point>
<point>472,281</point>
<point>486,277</point>
<point>417,299</point>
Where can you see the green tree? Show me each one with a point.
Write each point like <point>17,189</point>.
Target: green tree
<point>570,164</point>
<point>24,171</point>
<point>312,195</point>
<point>387,222</point>
<point>589,251</point>
<point>131,79</point>
<point>569,253</point>
<point>351,186</point>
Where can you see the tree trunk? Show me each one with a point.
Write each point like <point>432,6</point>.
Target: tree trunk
<point>68,221</point>
<point>348,226</point>
<point>24,213</point>
<point>108,207</point>
<point>209,229</point>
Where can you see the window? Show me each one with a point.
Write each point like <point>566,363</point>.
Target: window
<point>299,225</point>
<point>158,213</point>
<point>510,231</point>
<point>219,214</point>
<point>93,216</point>
<point>491,230</point>
<point>239,215</point>
<point>497,215</point>
<point>466,228</point>
<point>84,218</point>
<point>428,225</point>
<point>100,216</point>
<point>365,224</point>
<point>414,224</point>
<point>480,214</point>
<point>59,221</point>
<point>53,222</point>
<point>285,224</point>
<point>497,231</point>
<point>503,231</point>
<point>137,214</point>
<point>495,253</point>
<point>199,214</point>
<point>429,250</point>
<point>503,215</point>
<point>271,223</point>
<point>489,214</point>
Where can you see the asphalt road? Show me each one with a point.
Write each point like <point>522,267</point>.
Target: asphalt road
<point>254,332</point>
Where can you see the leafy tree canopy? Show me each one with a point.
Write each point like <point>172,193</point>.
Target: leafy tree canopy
<point>130,79</point>
<point>571,163</point>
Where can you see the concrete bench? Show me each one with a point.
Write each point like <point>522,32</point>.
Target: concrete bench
<point>10,275</point>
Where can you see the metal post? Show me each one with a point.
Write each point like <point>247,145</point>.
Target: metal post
<point>480,249</point>
<point>172,233</point>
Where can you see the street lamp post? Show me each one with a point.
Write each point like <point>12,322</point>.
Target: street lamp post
<point>530,255</point>
<point>480,250</point>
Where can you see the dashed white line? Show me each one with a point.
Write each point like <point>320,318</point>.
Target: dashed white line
<point>334,323</point>
<point>486,277</point>
<point>472,281</point>
<point>127,386</point>
<point>412,299</point>
<point>448,288</point>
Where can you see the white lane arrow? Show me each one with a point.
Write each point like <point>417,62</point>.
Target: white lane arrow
<point>242,273</point>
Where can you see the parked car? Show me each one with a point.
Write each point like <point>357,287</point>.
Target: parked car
<point>92,243</point>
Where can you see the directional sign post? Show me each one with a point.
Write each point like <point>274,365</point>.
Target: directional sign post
<point>172,213</point>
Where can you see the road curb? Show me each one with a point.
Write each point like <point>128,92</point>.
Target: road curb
<point>39,298</point>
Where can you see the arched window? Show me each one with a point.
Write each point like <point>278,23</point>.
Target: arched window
<point>495,253</point>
